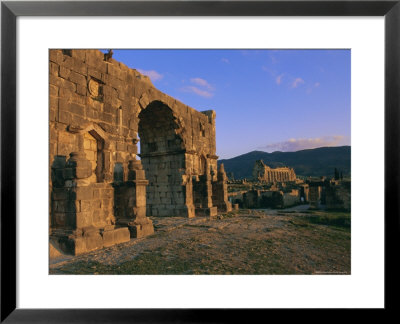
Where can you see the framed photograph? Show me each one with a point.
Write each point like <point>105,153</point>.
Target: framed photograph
<point>226,141</point>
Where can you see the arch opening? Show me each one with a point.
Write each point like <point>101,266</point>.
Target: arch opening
<point>162,156</point>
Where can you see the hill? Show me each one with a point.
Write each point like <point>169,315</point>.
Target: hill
<point>313,162</point>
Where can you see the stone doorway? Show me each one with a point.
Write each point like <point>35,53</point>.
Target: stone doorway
<point>163,158</point>
<point>93,145</point>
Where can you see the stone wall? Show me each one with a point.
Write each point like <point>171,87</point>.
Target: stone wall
<point>338,196</point>
<point>99,111</point>
<point>291,198</point>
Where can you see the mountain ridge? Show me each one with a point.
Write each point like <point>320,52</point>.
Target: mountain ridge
<point>309,162</point>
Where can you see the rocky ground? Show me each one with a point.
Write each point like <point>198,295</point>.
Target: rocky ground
<point>291,241</point>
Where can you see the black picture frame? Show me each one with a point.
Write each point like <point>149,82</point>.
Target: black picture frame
<point>10,10</point>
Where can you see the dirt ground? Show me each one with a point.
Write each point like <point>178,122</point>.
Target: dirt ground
<point>290,241</point>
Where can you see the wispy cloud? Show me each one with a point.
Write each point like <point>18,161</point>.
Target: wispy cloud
<point>296,82</point>
<point>279,79</point>
<point>290,81</point>
<point>312,87</point>
<point>225,60</point>
<point>153,75</point>
<point>202,83</point>
<point>269,70</point>
<point>296,144</point>
<point>199,87</point>
<point>197,91</point>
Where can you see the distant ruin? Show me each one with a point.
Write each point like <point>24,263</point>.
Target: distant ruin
<point>280,188</point>
<point>334,194</point>
<point>319,193</point>
<point>262,172</point>
<point>100,193</point>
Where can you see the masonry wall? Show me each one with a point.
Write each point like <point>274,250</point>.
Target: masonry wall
<point>339,196</point>
<point>102,108</point>
<point>84,88</point>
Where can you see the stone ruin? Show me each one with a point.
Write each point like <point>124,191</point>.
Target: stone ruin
<point>315,194</point>
<point>334,194</point>
<point>100,193</point>
<point>262,172</point>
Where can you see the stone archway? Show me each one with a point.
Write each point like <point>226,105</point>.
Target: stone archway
<point>162,155</point>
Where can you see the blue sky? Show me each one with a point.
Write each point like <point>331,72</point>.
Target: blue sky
<point>267,100</point>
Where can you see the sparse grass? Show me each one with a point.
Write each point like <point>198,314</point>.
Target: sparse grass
<point>294,244</point>
<point>340,219</point>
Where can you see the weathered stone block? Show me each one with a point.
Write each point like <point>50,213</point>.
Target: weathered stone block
<point>86,205</point>
<point>82,193</point>
<point>81,90</point>
<point>55,56</point>
<point>93,241</point>
<point>141,230</point>
<point>79,54</point>
<point>64,137</point>
<point>95,73</point>
<point>121,146</point>
<point>74,64</point>
<point>64,72</point>
<point>108,238</point>
<point>64,117</point>
<point>54,80</point>
<point>121,235</point>
<point>68,85</point>
<point>76,109</point>
<point>54,68</point>
<point>107,193</point>
<point>83,172</point>
<point>77,78</point>
<point>83,219</point>
<point>97,62</point>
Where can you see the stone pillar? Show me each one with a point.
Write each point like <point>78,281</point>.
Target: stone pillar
<point>188,195</point>
<point>130,202</point>
<point>81,210</point>
<point>202,192</point>
<point>220,191</point>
